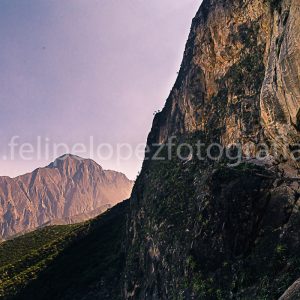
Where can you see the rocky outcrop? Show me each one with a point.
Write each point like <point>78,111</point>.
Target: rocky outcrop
<point>293,292</point>
<point>280,94</point>
<point>203,229</point>
<point>218,88</point>
<point>239,79</point>
<point>69,190</point>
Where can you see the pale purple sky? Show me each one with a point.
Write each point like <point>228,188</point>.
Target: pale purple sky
<point>71,69</point>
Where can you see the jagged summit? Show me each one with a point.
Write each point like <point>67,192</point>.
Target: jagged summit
<point>70,164</point>
<point>67,158</point>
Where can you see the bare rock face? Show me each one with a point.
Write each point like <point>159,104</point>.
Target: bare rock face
<point>218,88</point>
<point>293,292</point>
<point>239,80</point>
<point>280,93</point>
<point>69,190</point>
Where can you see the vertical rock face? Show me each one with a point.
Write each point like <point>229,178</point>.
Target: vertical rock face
<point>69,190</point>
<point>280,94</point>
<point>201,229</point>
<point>219,84</point>
<point>239,79</point>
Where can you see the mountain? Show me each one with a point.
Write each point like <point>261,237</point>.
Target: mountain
<point>200,227</point>
<point>224,228</point>
<point>69,190</point>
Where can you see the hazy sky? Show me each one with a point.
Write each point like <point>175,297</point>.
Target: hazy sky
<point>72,69</point>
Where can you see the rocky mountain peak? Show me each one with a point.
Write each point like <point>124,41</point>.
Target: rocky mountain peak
<point>71,189</point>
<point>71,164</point>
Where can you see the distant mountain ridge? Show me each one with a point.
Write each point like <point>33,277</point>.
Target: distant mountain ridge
<point>69,190</point>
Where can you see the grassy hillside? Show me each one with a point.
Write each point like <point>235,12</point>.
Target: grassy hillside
<point>65,262</point>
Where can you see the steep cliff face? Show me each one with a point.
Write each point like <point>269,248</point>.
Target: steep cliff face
<point>69,190</point>
<point>280,94</point>
<point>239,78</point>
<point>200,229</point>
<point>219,84</point>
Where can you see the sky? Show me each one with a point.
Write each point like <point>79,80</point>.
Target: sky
<point>86,76</point>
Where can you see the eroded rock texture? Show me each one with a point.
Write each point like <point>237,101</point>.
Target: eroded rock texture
<point>280,97</point>
<point>293,292</point>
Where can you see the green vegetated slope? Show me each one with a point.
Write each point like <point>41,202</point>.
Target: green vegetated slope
<point>210,231</point>
<point>65,262</point>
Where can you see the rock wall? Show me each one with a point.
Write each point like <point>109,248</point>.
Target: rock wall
<point>202,229</point>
